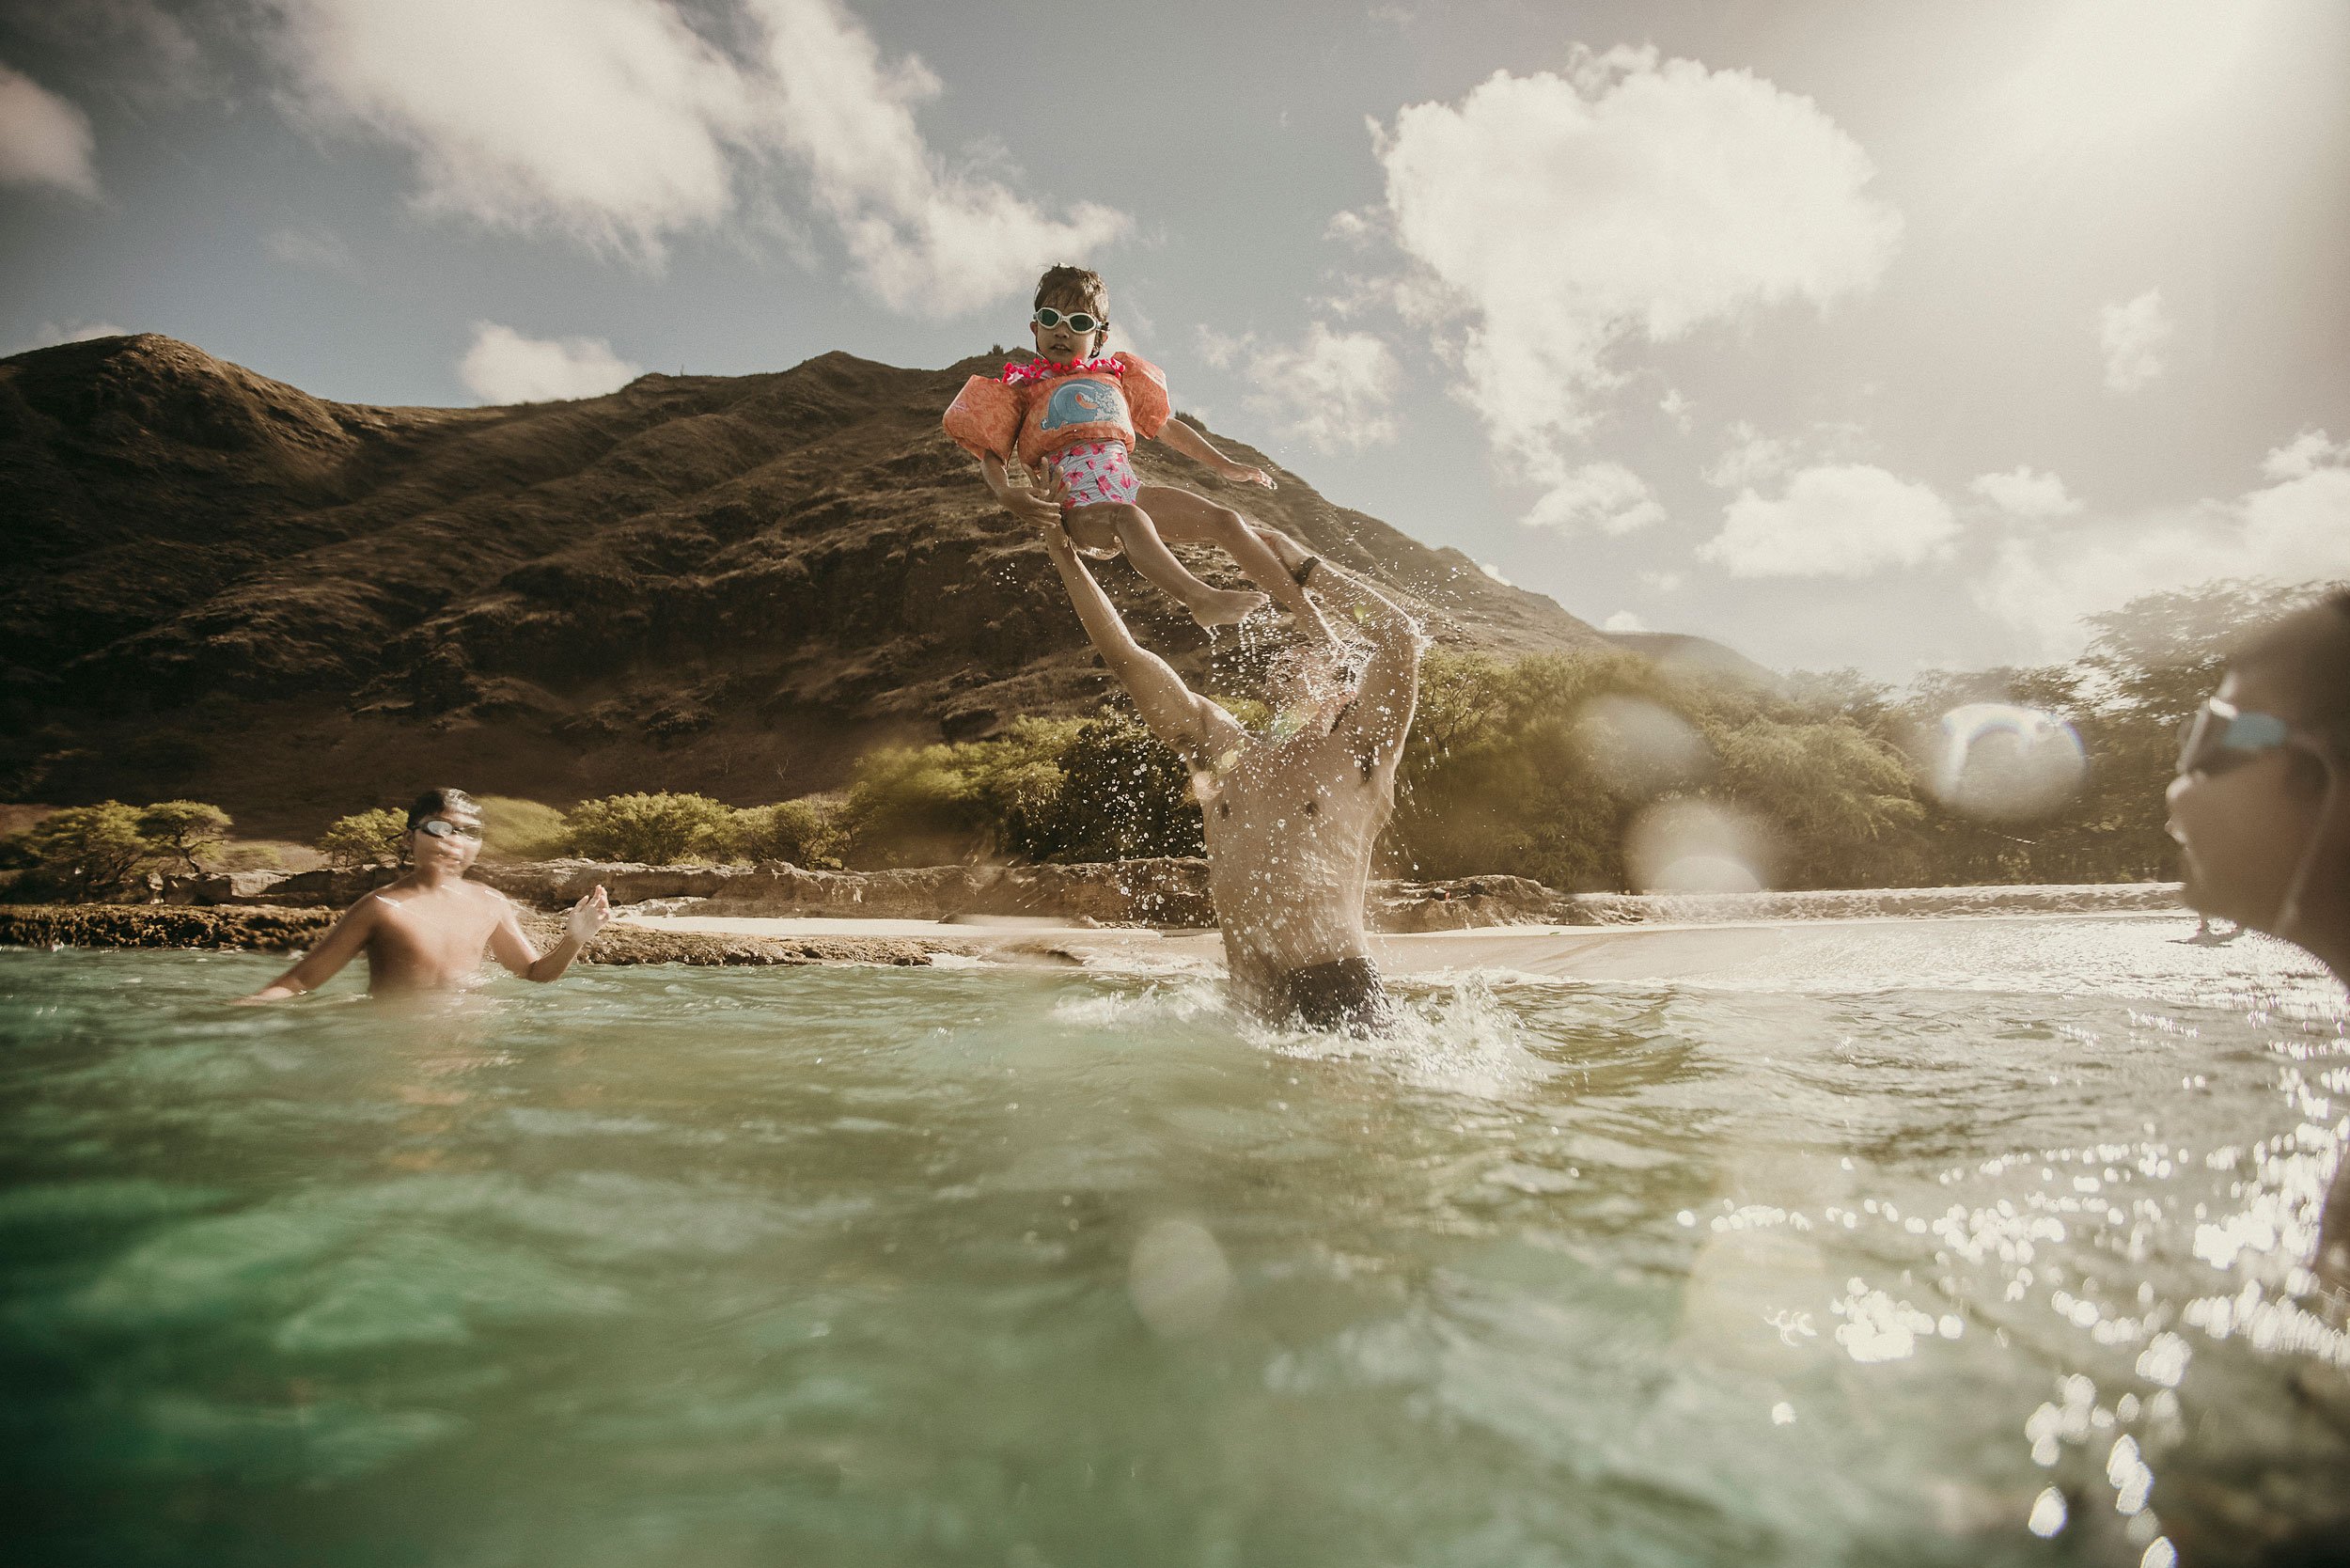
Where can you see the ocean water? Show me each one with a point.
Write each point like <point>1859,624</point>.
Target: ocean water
<point>1966,1243</point>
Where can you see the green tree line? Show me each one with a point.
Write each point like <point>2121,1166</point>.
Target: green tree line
<point>1542,767</point>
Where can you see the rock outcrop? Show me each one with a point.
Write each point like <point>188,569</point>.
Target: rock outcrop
<point>222,588</point>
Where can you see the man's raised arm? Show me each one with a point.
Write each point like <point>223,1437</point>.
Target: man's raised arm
<point>1384,703</point>
<point>1195,726</point>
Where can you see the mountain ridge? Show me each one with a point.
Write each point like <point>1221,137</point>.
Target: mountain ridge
<point>227,588</point>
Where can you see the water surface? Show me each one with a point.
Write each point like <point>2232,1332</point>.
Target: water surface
<point>1960,1242</point>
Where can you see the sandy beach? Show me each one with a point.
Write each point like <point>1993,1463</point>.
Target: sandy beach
<point>1644,952</point>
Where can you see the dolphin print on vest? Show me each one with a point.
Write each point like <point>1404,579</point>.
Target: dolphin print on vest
<point>1083,403</point>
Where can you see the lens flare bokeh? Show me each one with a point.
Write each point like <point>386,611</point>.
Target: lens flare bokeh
<point>1698,846</point>
<point>1998,763</point>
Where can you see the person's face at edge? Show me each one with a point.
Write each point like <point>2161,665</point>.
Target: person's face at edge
<point>454,852</point>
<point>1063,343</point>
<point>2242,833</point>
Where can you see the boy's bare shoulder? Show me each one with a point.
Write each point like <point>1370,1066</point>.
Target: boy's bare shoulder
<point>483,893</point>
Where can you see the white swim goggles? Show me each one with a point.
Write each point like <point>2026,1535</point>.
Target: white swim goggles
<point>1079,321</point>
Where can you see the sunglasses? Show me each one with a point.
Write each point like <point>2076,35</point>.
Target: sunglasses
<point>1079,321</point>
<point>441,827</point>
<point>2220,737</point>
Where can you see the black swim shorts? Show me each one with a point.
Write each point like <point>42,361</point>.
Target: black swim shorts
<point>1345,995</point>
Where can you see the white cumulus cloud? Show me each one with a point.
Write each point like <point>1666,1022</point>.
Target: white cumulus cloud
<point>44,140</point>
<point>1843,520</point>
<point>1605,496</point>
<point>2133,336</point>
<point>1623,620</point>
<point>1632,197</point>
<point>2303,455</point>
<point>1750,459</point>
<point>503,367</point>
<point>1335,390</point>
<point>2022,494</point>
<point>618,123</point>
<point>2293,529</point>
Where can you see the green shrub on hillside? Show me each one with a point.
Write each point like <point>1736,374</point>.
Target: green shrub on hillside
<point>802,832</point>
<point>930,804</point>
<point>1097,789</point>
<point>517,829</point>
<point>1120,792</point>
<point>651,829</point>
<point>376,837</point>
<point>90,851</point>
<point>178,831</point>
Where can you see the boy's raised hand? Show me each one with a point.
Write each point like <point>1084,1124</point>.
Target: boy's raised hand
<point>590,915</point>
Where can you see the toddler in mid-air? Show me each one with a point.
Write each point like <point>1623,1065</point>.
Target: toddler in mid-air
<point>1071,417</point>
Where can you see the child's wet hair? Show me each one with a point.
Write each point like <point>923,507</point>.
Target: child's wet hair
<point>1080,286</point>
<point>441,803</point>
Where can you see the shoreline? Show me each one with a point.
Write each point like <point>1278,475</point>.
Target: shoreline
<point>1711,933</point>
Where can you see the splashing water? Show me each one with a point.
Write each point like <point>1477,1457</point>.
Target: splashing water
<point>1969,1243</point>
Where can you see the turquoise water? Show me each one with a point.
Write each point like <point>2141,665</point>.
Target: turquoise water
<point>1972,1228</point>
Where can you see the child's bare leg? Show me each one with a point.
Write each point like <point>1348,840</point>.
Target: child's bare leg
<point>1208,605</point>
<point>1270,557</point>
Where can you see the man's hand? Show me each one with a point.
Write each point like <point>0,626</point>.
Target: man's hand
<point>1037,511</point>
<point>1047,489</point>
<point>1240,473</point>
<point>590,915</point>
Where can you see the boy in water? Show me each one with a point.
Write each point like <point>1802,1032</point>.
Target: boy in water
<point>428,931</point>
<point>1073,416</point>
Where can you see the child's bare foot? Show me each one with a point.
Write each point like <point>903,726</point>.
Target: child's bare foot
<point>1225,606</point>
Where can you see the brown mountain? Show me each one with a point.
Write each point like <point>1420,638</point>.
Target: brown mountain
<point>221,586</point>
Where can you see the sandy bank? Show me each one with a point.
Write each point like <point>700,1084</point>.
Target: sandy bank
<point>1735,941</point>
<point>1161,892</point>
<point>1791,947</point>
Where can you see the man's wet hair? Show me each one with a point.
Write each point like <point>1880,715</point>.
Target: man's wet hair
<point>441,803</point>
<point>2309,653</point>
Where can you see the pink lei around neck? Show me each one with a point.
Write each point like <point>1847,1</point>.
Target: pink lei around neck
<point>1045,369</point>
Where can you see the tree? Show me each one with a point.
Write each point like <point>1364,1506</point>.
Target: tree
<point>178,831</point>
<point>650,829</point>
<point>1116,791</point>
<point>377,837</point>
<point>90,849</point>
<point>802,832</point>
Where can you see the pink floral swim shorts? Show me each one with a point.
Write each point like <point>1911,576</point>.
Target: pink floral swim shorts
<point>1097,473</point>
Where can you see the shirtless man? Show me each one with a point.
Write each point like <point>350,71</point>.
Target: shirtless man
<point>428,931</point>
<point>1290,815</point>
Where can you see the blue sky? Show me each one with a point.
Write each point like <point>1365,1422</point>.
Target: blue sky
<point>1888,337</point>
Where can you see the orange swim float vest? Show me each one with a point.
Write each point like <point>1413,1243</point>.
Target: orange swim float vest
<point>1034,410</point>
